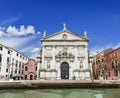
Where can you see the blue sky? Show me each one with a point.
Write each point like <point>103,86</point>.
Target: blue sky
<point>22,22</point>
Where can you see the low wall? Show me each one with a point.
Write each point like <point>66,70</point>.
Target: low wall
<point>35,84</point>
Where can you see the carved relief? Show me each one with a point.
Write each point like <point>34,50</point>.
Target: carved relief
<point>64,55</point>
<point>81,51</point>
<point>64,36</point>
<point>48,50</point>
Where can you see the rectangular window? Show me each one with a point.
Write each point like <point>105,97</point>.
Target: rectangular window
<point>16,63</point>
<point>19,71</point>
<point>40,61</point>
<point>17,54</point>
<point>0,68</point>
<point>6,69</point>
<point>1,48</point>
<point>102,59</point>
<point>8,52</point>
<point>22,71</point>
<point>115,54</point>
<point>26,68</point>
<point>36,68</point>
<point>0,58</point>
<point>15,71</point>
<point>109,74</point>
<point>22,65</point>
<point>8,59</point>
<point>19,64</point>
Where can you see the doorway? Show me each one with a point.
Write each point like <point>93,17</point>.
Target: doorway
<point>31,77</point>
<point>64,70</point>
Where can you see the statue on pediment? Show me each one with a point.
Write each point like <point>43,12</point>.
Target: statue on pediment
<point>44,34</point>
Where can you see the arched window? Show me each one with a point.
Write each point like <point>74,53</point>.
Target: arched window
<point>112,64</point>
<point>36,68</point>
<point>26,68</point>
<point>0,58</point>
<point>116,62</point>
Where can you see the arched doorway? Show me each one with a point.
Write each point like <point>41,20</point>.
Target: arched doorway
<point>31,77</point>
<point>64,70</point>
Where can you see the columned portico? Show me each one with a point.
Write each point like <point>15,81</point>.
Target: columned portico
<point>64,56</point>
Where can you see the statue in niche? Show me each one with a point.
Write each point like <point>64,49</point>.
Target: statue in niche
<point>64,50</point>
<point>48,65</point>
<point>81,64</point>
<point>59,54</point>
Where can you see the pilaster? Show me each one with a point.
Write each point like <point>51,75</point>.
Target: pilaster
<point>43,58</point>
<point>53,57</point>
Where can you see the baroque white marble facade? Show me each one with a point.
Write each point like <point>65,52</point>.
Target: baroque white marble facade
<point>64,56</point>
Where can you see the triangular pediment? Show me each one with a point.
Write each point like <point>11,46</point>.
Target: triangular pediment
<point>65,35</point>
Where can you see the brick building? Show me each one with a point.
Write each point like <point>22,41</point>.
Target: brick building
<point>99,64</point>
<point>113,64</point>
<point>30,70</point>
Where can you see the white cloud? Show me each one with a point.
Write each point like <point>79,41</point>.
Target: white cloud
<point>23,39</point>
<point>1,33</point>
<point>30,29</point>
<point>21,31</point>
<point>13,31</point>
<point>38,32</point>
<point>32,50</point>
<point>16,42</point>
<point>35,50</point>
<point>27,48</point>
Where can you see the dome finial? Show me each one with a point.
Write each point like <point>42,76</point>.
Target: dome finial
<point>64,27</point>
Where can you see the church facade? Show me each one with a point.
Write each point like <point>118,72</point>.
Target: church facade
<point>65,55</point>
